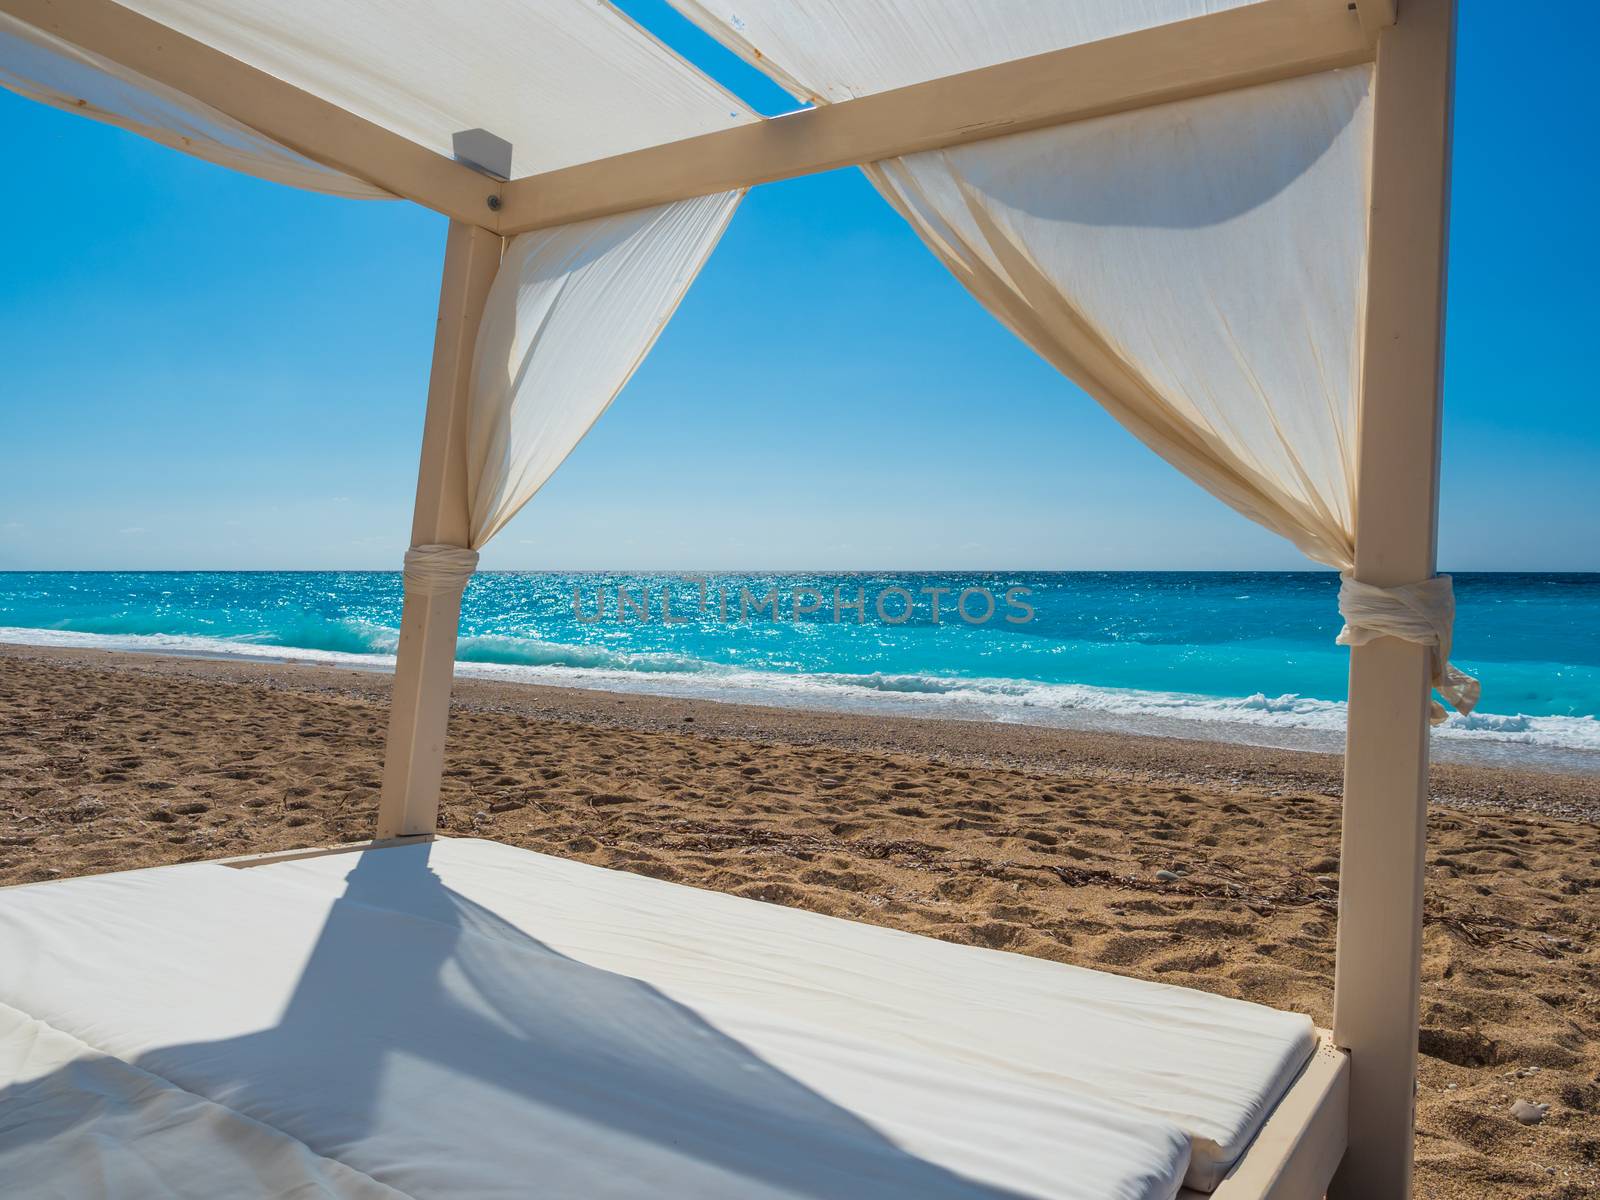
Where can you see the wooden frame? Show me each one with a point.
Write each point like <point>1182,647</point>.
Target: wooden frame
<point>1379,952</point>
<point>1256,43</point>
<point>1298,1149</point>
<point>244,861</point>
<point>419,707</point>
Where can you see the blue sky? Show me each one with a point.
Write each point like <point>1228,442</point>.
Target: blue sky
<point>200,370</point>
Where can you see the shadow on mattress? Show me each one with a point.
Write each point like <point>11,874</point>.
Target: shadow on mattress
<point>425,1029</point>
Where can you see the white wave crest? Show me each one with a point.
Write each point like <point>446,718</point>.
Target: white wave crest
<point>1292,721</point>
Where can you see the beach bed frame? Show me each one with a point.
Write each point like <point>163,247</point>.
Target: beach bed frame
<point>1346,1125</point>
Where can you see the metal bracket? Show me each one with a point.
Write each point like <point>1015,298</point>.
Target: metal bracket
<point>483,151</point>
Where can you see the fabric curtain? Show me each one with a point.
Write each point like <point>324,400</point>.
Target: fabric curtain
<point>571,314</point>
<point>45,68</point>
<point>559,82</point>
<point>1197,268</point>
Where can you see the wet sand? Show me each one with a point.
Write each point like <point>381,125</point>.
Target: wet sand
<point>1041,842</point>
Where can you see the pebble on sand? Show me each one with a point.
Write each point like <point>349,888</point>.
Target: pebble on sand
<point>1528,1112</point>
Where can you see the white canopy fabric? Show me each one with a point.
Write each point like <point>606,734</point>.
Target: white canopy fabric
<point>574,309</point>
<point>572,313</point>
<point>1197,268</point>
<point>830,50</point>
<point>45,68</point>
<point>1418,612</point>
<point>563,81</point>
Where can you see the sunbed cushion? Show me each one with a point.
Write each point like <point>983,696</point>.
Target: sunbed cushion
<point>75,1124</point>
<point>1213,1065</point>
<point>466,1019</point>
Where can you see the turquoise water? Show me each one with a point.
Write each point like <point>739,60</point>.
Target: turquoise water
<point>1247,656</point>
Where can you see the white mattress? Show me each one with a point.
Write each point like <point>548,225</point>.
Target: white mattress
<point>467,1019</point>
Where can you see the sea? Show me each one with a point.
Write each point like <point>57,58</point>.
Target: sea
<point>1233,656</point>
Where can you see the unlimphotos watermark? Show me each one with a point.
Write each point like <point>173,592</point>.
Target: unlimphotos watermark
<point>696,598</point>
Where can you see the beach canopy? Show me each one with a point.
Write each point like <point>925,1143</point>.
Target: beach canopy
<point>1223,219</point>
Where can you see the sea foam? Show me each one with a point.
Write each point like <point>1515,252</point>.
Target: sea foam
<point>1290,721</point>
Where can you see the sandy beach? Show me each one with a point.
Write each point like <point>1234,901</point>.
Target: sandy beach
<point>1212,866</point>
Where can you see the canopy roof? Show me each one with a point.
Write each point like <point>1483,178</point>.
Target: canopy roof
<point>571,98</point>
<point>561,81</point>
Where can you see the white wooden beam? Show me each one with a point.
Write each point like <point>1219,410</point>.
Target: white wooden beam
<point>308,124</point>
<point>1257,43</point>
<point>419,708</point>
<point>1376,983</point>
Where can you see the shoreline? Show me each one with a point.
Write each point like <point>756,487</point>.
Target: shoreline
<point>1495,754</point>
<point>1156,758</point>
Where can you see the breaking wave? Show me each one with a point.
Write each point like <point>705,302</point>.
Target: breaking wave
<point>1289,720</point>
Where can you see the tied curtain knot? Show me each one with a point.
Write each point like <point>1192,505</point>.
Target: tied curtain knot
<point>1424,613</point>
<point>438,570</point>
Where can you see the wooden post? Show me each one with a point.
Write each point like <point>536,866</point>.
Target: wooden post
<point>420,707</point>
<point>1386,755</point>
